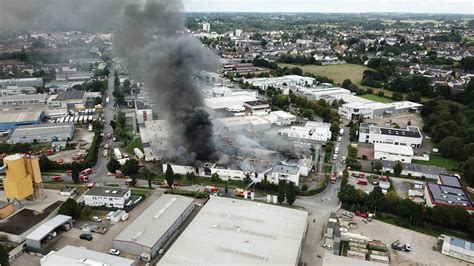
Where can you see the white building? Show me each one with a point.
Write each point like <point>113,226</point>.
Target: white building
<point>23,99</point>
<point>15,90</point>
<point>285,172</point>
<point>111,197</point>
<point>278,82</point>
<point>457,248</point>
<point>206,26</point>
<point>230,101</point>
<point>369,133</point>
<point>312,131</point>
<point>22,82</point>
<point>245,123</point>
<point>282,118</point>
<point>42,133</point>
<point>366,110</point>
<point>81,256</point>
<point>143,112</point>
<point>390,152</point>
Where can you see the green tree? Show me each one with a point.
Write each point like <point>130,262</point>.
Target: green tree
<point>378,165</point>
<point>75,175</point>
<point>290,193</point>
<point>169,175</point>
<point>4,256</point>
<point>126,83</point>
<point>86,212</point>
<point>397,168</point>
<point>392,201</point>
<point>411,211</point>
<point>97,100</point>
<point>452,147</point>
<point>113,165</point>
<point>397,96</point>
<point>215,177</point>
<point>468,170</point>
<point>281,191</point>
<point>414,96</point>
<point>191,176</point>
<point>376,200</point>
<point>70,208</point>
<point>130,168</point>
<point>309,113</point>
<point>346,83</point>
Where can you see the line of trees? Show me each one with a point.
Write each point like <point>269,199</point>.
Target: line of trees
<point>286,190</point>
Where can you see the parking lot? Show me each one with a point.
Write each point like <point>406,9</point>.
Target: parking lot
<point>422,252</point>
<point>100,242</point>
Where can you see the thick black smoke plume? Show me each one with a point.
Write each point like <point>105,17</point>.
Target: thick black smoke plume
<point>159,51</point>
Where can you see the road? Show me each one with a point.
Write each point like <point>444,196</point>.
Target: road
<point>319,207</point>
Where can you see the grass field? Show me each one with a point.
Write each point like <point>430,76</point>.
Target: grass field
<point>338,73</point>
<point>135,143</point>
<point>376,98</point>
<point>440,161</point>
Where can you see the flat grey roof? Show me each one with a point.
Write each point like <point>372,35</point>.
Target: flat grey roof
<point>3,204</point>
<point>150,226</point>
<point>24,97</point>
<point>238,232</point>
<point>15,116</point>
<point>72,256</point>
<point>285,169</point>
<point>43,230</point>
<point>70,95</point>
<point>423,169</point>
<point>450,180</point>
<point>141,105</point>
<point>107,191</point>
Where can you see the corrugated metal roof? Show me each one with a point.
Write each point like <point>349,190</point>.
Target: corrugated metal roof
<point>43,230</point>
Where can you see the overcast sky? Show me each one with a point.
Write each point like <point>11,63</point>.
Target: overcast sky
<point>335,6</point>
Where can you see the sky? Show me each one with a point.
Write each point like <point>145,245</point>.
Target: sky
<point>332,6</point>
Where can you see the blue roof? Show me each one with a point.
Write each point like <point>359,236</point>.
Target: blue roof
<point>462,243</point>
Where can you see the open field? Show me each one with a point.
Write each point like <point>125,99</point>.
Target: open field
<point>440,161</point>
<point>338,73</point>
<point>376,98</point>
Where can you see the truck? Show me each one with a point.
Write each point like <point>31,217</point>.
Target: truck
<point>396,245</point>
<point>105,153</point>
<point>139,154</point>
<point>57,178</point>
<point>118,154</point>
<point>211,189</point>
<point>361,214</point>
<point>333,178</point>
<point>362,182</point>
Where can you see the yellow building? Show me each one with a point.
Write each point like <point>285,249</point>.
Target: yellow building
<point>23,177</point>
<point>6,208</point>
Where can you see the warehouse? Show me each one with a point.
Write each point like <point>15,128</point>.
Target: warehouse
<point>23,99</point>
<point>457,248</point>
<point>70,255</point>
<point>154,226</point>
<point>312,131</point>
<point>390,152</point>
<point>370,133</point>
<point>35,238</point>
<point>69,99</point>
<point>238,232</point>
<point>42,133</point>
<point>12,118</point>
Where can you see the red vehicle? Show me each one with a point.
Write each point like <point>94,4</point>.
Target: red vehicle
<point>57,178</point>
<point>87,171</point>
<point>130,182</point>
<point>362,182</point>
<point>50,152</point>
<point>91,185</point>
<point>84,178</point>
<point>361,214</point>
<point>333,178</point>
<point>211,189</point>
<point>109,135</point>
<point>60,161</point>
<point>69,172</point>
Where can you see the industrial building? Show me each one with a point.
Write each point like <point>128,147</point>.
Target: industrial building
<point>22,82</point>
<point>254,107</point>
<point>457,248</point>
<point>23,177</point>
<point>143,112</point>
<point>390,152</point>
<point>289,173</point>
<point>35,238</point>
<point>111,197</point>
<point>240,232</point>
<point>149,231</point>
<point>80,256</point>
<point>282,118</point>
<point>15,90</point>
<point>68,99</point>
<point>231,102</point>
<point>6,209</point>
<point>42,133</point>
<point>370,133</point>
<point>365,110</point>
<point>13,117</point>
<point>278,82</point>
<point>23,99</point>
<point>244,123</point>
<point>312,131</point>
<point>447,192</point>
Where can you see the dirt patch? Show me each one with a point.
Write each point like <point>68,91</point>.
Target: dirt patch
<point>365,151</point>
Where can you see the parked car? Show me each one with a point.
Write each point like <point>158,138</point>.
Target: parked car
<point>114,252</point>
<point>86,237</point>
<point>96,219</point>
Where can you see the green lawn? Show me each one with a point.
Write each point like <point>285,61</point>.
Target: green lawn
<point>338,73</point>
<point>135,143</point>
<point>376,98</point>
<point>440,161</point>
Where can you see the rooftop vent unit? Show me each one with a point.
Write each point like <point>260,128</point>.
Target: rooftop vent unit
<point>107,191</point>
